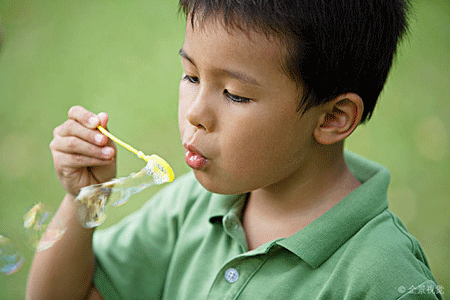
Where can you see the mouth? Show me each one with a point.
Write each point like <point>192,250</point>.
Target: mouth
<point>194,158</point>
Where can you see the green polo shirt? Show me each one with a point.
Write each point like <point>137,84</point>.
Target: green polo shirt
<point>187,243</point>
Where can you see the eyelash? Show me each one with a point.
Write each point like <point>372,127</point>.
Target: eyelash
<point>191,79</point>
<point>234,98</point>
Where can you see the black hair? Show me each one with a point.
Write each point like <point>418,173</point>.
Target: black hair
<point>333,46</point>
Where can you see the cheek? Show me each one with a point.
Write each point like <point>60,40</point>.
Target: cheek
<point>182,106</point>
<point>262,146</point>
<point>252,143</point>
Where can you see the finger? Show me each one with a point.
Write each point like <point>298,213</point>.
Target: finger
<point>77,161</point>
<point>75,145</point>
<point>103,122</point>
<point>84,117</point>
<point>103,119</point>
<point>73,128</point>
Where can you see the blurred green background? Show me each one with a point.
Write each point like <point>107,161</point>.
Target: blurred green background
<point>121,57</point>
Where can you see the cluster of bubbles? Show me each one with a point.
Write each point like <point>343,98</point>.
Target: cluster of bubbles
<point>38,237</point>
<point>42,230</point>
<point>93,200</point>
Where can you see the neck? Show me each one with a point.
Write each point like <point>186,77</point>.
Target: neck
<point>322,182</point>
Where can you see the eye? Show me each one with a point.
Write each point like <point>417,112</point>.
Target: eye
<point>191,79</point>
<point>235,98</point>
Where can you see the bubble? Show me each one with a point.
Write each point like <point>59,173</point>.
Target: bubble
<point>10,258</point>
<point>92,200</point>
<point>36,221</point>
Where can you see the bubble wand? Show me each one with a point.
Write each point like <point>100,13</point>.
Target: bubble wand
<point>92,200</point>
<point>140,154</point>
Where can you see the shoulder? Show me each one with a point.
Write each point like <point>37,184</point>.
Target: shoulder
<point>385,260</point>
<point>386,240</point>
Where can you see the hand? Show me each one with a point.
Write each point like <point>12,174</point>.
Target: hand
<point>81,154</point>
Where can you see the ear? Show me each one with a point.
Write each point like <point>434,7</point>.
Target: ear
<point>339,118</point>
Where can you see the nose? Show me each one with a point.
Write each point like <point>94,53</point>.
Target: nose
<point>200,112</point>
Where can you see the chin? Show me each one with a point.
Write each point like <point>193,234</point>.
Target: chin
<point>216,186</point>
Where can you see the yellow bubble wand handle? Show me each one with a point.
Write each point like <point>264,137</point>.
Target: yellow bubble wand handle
<point>140,154</point>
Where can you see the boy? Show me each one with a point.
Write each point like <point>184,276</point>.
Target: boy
<point>274,208</point>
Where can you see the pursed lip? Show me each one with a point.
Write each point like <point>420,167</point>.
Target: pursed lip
<point>193,150</point>
<point>194,158</point>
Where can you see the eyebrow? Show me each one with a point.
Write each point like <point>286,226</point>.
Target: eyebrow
<point>231,73</point>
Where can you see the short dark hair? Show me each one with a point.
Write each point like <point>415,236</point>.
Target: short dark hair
<point>333,47</point>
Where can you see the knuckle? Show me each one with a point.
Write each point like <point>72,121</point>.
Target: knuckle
<point>63,129</point>
<point>80,114</point>
<point>78,158</point>
<point>73,110</point>
<point>52,144</point>
<point>56,131</point>
<point>65,173</point>
<point>71,143</point>
<point>68,126</point>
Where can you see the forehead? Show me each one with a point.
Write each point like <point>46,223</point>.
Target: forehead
<point>233,43</point>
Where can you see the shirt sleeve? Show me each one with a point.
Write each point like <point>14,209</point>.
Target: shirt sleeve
<point>132,257</point>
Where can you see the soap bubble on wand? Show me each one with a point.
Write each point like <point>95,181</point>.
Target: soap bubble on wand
<point>92,200</point>
<point>43,230</point>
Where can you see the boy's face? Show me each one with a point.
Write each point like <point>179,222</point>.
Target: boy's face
<point>238,114</point>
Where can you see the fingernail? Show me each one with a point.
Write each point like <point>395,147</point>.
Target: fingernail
<point>107,151</point>
<point>93,121</point>
<point>98,138</point>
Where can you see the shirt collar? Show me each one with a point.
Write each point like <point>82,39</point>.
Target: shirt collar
<point>220,205</point>
<point>319,240</point>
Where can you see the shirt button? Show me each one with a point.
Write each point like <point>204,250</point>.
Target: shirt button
<point>231,275</point>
